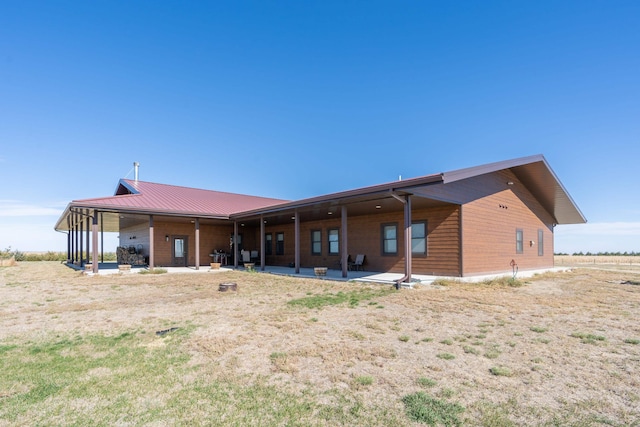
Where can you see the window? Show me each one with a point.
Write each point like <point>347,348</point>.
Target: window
<point>419,238</point>
<point>279,243</point>
<point>389,239</point>
<point>316,242</point>
<point>519,241</point>
<point>334,241</point>
<point>540,243</point>
<point>268,244</point>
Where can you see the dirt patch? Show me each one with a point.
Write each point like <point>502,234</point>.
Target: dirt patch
<point>455,336</point>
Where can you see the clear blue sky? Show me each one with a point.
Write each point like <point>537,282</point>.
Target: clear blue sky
<point>293,99</point>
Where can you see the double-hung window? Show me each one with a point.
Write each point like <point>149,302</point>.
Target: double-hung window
<point>540,242</point>
<point>268,244</point>
<point>316,242</point>
<point>279,243</point>
<point>519,241</point>
<point>389,239</point>
<point>334,241</point>
<point>419,238</point>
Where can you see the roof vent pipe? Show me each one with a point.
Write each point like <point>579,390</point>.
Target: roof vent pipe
<point>136,167</point>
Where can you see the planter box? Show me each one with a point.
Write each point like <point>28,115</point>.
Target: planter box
<point>215,265</point>
<point>250,266</point>
<point>320,271</point>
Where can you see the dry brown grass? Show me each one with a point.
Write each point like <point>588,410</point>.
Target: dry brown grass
<point>252,335</point>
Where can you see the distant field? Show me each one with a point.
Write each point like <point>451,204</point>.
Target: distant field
<point>596,259</point>
<point>562,349</point>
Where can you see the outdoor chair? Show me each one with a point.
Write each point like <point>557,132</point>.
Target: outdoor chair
<point>358,263</point>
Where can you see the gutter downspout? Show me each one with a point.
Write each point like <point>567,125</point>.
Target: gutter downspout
<point>406,201</point>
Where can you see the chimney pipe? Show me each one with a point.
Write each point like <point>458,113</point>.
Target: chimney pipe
<point>136,167</point>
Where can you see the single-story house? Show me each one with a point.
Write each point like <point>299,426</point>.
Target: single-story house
<point>473,221</point>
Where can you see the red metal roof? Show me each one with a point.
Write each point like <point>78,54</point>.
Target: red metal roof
<point>171,199</point>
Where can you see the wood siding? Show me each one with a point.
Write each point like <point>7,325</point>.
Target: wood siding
<point>364,237</point>
<point>491,217</point>
<point>211,237</point>
<point>475,234</point>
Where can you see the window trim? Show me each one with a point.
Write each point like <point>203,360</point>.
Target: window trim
<point>540,242</point>
<point>318,242</point>
<point>268,244</point>
<point>279,243</point>
<point>519,241</point>
<point>383,239</point>
<point>329,241</point>
<point>426,238</point>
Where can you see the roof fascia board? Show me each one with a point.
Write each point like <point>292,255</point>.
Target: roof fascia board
<point>126,185</point>
<point>120,209</point>
<point>460,174</point>
<point>63,216</point>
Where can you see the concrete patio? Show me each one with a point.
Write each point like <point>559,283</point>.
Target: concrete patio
<point>331,274</point>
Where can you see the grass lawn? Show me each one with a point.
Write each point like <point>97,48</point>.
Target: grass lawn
<point>170,349</point>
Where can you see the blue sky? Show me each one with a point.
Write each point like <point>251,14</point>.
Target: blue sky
<point>293,99</point>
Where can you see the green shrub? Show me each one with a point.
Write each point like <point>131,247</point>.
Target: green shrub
<point>588,338</point>
<point>426,382</point>
<point>445,356</point>
<point>501,371</point>
<point>364,380</point>
<point>423,408</point>
<point>154,271</point>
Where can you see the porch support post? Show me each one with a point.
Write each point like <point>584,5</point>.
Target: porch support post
<point>74,241</point>
<point>88,221</point>
<point>101,237</point>
<point>197,243</point>
<point>262,255</point>
<point>69,238</point>
<point>151,243</point>
<point>297,241</point>
<point>75,237</point>
<point>235,244</point>
<point>94,241</point>
<point>408,256</point>
<point>344,244</point>
<point>81,235</point>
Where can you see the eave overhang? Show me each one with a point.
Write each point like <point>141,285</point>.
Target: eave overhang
<point>537,176</point>
<point>375,192</point>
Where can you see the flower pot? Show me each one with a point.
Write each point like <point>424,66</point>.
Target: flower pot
<point>320,271</point>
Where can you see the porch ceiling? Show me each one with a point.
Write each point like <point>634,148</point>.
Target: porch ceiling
<point>113,222</point>
<point>321,211</point>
